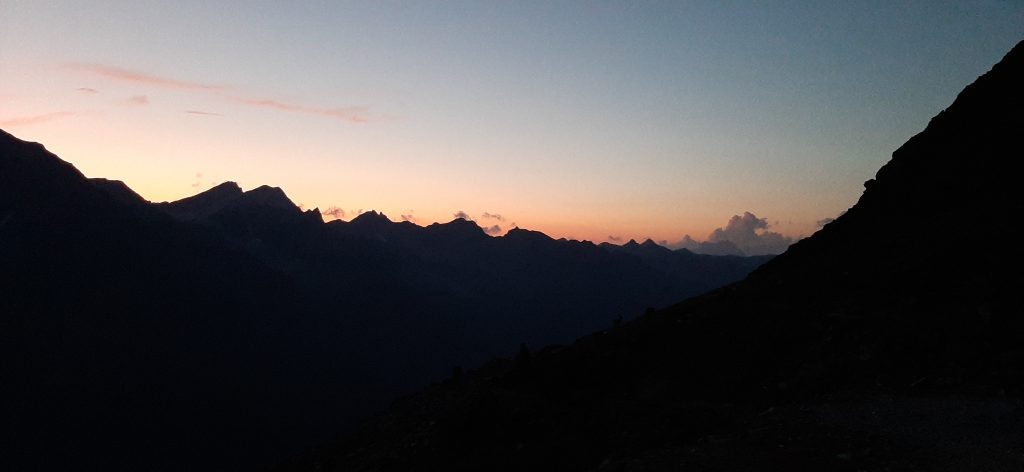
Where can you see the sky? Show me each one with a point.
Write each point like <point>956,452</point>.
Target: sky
<point>603,121</point>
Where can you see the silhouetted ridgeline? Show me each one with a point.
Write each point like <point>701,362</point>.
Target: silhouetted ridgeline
<point>231,328</point>
<point>893,339</point>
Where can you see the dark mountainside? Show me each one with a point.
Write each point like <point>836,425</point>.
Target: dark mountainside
<point>130,341</point>
<point>231,328</point>
<point>425,299</point>
<point>883,342</point>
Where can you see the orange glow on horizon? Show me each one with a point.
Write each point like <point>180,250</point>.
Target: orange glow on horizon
<point>93,157</point>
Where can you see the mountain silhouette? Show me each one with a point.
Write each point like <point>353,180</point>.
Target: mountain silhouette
<point>124,330</point>
<point>886,341</point>
<point>231,328</point>
<point>448,281</point>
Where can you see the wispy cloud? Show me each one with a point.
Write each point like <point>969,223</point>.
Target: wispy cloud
<point>409,218</point>
<point>126,75</point>
<point>334,212</point>
<point>347,114</point>
<point>463,215</point>
<point>493,229</point>
<point>35,119</point>
<point>138,100</point>
<point>202,113</point>
<point>494,216</point>
<point>614,239</point>
<point>88,90</point>
<point>352,114</point>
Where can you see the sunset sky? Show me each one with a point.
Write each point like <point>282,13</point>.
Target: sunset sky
<point>589,120</point>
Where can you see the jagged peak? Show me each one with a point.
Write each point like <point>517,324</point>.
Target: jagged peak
<point>314,212</point>
<point>372,216</point>
<point>227,187</point>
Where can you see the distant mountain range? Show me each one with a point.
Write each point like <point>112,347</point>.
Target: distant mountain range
<point>892,339</point>
<point>231,328</point>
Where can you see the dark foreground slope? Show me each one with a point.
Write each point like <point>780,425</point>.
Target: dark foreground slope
<point>880,343</point>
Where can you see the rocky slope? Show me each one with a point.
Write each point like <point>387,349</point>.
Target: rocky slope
<point>890,340</point>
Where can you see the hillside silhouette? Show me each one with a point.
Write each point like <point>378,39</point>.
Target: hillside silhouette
<point>892,339</point>
<point>231,329</point>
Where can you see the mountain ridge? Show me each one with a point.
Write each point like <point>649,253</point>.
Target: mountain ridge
<point>177,335</point>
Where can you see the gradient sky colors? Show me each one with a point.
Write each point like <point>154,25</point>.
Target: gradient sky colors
<point>580,119</point>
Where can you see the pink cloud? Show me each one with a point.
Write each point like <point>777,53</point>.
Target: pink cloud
<point>333,212</point>
<point>88,90</point>
<point>202,113</point>
<point>126,75</point>
<point>348,114</point>
<point>35,119</point>
<point>138,100</point>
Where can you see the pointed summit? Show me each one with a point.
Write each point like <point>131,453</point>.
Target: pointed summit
<point>268,196</point>
<point>647,248</point>
<point>651,247</point>
<point>371,217</point>
<point>203,204</point>
<point>223,191</point>
<point>227,187</point>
